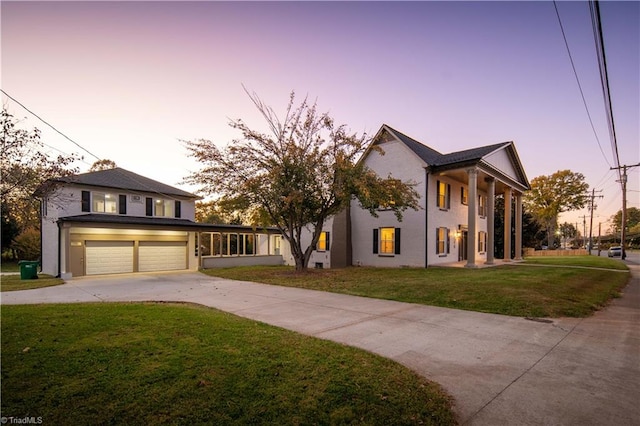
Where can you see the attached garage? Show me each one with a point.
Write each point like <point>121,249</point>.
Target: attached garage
<point>108,257</point>
<point>162,256</point>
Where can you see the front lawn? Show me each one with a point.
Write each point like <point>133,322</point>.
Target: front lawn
<point>14,283</point>
<point>183,364</point>
<point>519,290</point>
<point>584,261</point>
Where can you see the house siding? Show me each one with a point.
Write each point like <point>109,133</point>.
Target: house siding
<point>399,162</point>
<point>67,201</point>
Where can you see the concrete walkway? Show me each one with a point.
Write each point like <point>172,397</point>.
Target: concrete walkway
<point>501,370</point>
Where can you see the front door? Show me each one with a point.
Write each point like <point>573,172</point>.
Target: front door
<point>462,247</point>
<point>76,259</point>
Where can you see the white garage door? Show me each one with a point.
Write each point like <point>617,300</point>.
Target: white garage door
<point>162,256</point>
<point>109,257</point>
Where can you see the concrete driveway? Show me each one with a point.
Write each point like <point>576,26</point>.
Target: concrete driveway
<point>500,370</point>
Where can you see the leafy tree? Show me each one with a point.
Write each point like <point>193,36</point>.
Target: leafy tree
<point>530,229</point>
<point>219,212</point>
<point>103,165</point>
<point>551,195</point>
<point>25,166</point>
<point>632,219</point>
<point>298,175</point>
<point>27,244</point>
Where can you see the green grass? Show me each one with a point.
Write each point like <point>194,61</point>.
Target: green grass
<point>584,261</point>
<point>183,364</point>
<point>9,266</point>
<point>527,291</point>
<point>14,283</point>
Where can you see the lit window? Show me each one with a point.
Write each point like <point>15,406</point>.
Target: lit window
<point>442,200</point>
<point>104,203</point>
<point>387,240</point>
<point>464,196</point>
<point>163,208</point>
<point>442,240</point>
<point>323,242</point>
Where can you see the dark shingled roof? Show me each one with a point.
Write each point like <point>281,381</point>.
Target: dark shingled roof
<point>469,155</point>
<point>435,159</point>
<point>428,155</point>
<point>120,178</point>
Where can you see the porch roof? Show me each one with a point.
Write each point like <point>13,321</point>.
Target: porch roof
<point>107,220</point>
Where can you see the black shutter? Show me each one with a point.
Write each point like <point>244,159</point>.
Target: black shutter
<point>375,241</point>
<point>397,242</point>
<point>149,209</point>
<point>437,239</point>
<point>328,239</point>
<point>448,240</point>
<point>86,201</point>
<point>438,194</point>
<point>178,209</point>
<point>448,196</point>
<point>122,204</point>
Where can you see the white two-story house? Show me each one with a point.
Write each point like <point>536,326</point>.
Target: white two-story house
<point>116,221</point>
<point>455,221</point>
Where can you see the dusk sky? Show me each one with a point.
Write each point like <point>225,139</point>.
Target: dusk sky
<point>128,80</point>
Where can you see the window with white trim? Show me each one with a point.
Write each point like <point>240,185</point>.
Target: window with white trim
<point>442,241</point>
<point>464,196</point>
<point>443,199</point>
<point>104,202</point>
<point>482,205</point>
<point>386,241</point>
<point>482,242</point>
<point>323,241</point>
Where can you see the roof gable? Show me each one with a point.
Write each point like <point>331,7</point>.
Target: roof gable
<point>502,157</point>
<point>426,154</point>
<point>119,178</point>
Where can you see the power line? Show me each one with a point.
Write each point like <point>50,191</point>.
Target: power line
<point>594,7</point>
<point>584,101</point>
<point>45,122</point>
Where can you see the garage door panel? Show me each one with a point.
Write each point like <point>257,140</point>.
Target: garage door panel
<point>108,257</point>
<point>162,256</point>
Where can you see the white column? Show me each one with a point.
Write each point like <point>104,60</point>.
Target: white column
<point>507,224</point>
<point>472,236</point>
<point>518,226</point>
<point>491,213</point>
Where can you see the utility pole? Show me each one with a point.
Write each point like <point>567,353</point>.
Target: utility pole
<point>593,196</point>
<point>599,238</point>
<point>623,219</point>
<point>584,228</point>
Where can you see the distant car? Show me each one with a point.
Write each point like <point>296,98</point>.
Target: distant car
<point>615,251</point>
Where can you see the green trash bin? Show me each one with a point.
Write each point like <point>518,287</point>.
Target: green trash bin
<point>28,269</point>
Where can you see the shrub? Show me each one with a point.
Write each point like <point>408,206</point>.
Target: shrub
<point>27,244</point>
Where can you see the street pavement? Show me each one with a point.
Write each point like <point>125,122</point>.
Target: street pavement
<point>500,370</point>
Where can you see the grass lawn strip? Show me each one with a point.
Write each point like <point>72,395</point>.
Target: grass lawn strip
<point>14,283</point>
<point>518,290</point>
<point>182,364</point>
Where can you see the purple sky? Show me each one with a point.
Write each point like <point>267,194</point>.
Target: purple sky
<point>128,80</point>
